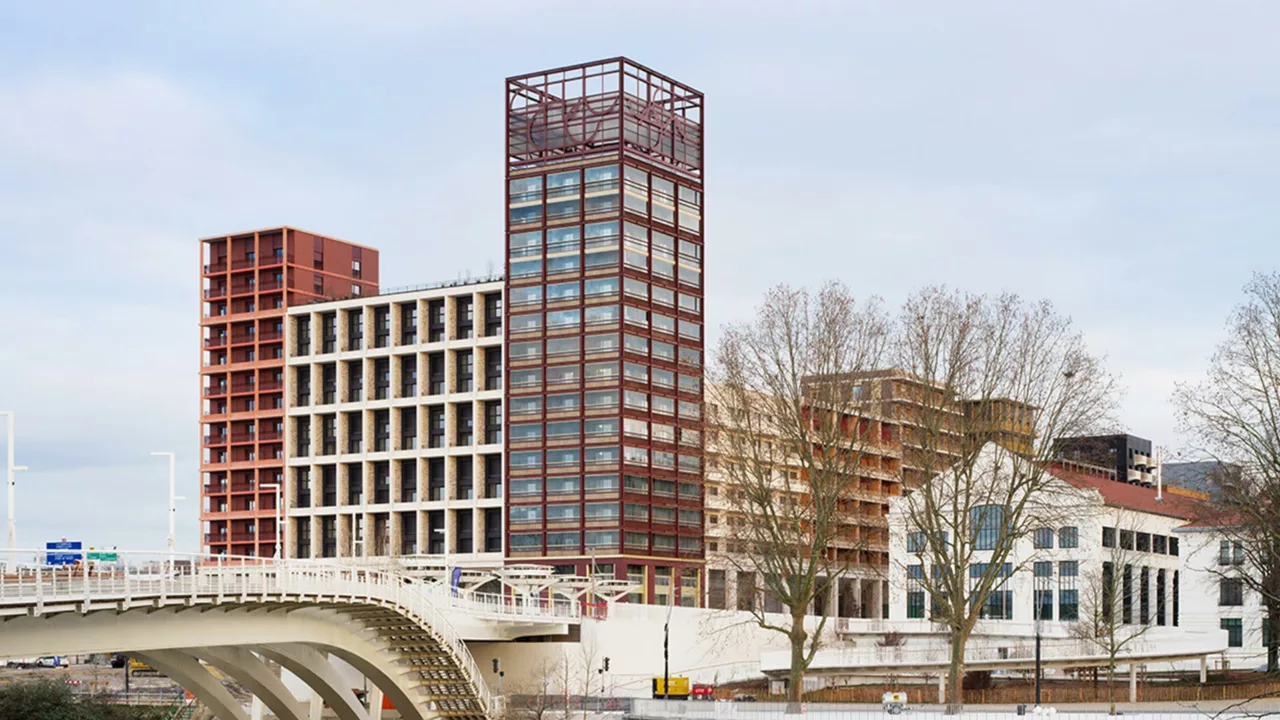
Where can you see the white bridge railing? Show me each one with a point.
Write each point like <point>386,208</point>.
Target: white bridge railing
<point>1002,652</point>
<point>29,584</point>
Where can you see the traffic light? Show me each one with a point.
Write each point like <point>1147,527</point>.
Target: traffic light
<point>606,664</point>
<point>495,664</point>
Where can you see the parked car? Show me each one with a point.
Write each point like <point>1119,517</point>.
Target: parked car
<point>50,661</point>
<point>744,698</point>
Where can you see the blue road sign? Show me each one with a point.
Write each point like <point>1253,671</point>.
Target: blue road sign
<point>51,557</point>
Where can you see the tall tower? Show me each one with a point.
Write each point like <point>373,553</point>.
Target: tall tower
<point>248,280</point>
<point>604,289</point>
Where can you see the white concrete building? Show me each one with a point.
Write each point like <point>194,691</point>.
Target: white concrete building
<point>1216,599</point>
<point>394,425</point>
<point>1050,571</point>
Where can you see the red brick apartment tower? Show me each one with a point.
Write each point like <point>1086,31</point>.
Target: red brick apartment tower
<point>604,290</point>
<point>248,280</point>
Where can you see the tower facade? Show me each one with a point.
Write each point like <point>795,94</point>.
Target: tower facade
<point>604,326</point>
<point>248,281</point>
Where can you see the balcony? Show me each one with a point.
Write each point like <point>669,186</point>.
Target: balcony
<point>215,342</point>
<point>215,390</point>
<point>243,263</point>
<point>243,487</point>
<point>215,440</point>
<point>266,385</point>
<point>244,537</point>
<point>243,437</point>
<point>213,538</point>
<point>217,266</point>
<point>242,338</point>
<point>273,258</point>
<point>270,335</point>
<point>239,388</point>
<point>243,289</point>
<point>214,489</point>
<point>215,292</point>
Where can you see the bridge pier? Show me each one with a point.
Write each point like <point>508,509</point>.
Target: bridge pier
<point>375,703</point>
<point>248,670</point>
<point>187,672</point>
<point>313,668</point>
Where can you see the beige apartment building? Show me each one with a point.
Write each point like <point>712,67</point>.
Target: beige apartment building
<point>394,433</point>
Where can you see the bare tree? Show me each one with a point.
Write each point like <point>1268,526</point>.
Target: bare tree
<point>536,694</point>
<point>787,442</point>
<point>1233,417</point>
<point>997,380</point>
<point>1110,613</point>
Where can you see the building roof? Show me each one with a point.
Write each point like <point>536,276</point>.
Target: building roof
<point>1130,497</point>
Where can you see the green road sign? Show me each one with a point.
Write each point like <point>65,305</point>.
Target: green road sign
<point>104,556</point>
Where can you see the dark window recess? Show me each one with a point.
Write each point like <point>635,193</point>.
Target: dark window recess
<point>355,381</point>
<point>355,433</point>
<point>466,480</point>
<point>304,437</point>
<point>466,530</point>
<point>329,486</point>
<point>355,329</point>
<point>329,435</point>
<point>328,537</point>
<point>466,316</point>
<point>382,327</point>
<point>408,481</point>
<point>409,324</point>
<point>465,424</point>
<point>329,332</point>
<point>493,368</point>
<point>1144,599</point>
<point>465,362</point>
<point>382,431</point>
<point>408,376</point>
<point>435,321</point>
<point>493,476</point>
<point>328,384</point>
<point>1230,592</point>
<point>382,378</point>
<point>435,479</point>
<point>493,314</point>
<point>355,483</point>
<point>303,480</point>
<point>435,426</point>
<point>409,428</point>
<point>304,336</point>
<point>382,482</point>
<point>1176,599</point>
<point>435,374</point>
<point>409,533</point>
<point>302,537</point>
<point>435,532</point>
<point>493,422</point>
<point>1126,604</point>
<point>493,530</point>
<point>1108,537</point>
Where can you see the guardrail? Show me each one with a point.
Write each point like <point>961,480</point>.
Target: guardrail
<point>1001,652</point>
<point>108,577</point>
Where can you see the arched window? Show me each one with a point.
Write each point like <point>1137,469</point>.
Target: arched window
<point>986,526</point>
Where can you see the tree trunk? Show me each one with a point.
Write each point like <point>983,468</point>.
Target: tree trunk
<point>1111,687</point>
<point>1273,652</point>
<point>955,676</point>
<point>795,678</point>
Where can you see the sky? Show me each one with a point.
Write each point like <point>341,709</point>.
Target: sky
<point>1119,159</point>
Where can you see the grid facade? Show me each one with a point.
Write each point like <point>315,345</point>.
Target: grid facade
<point>604,283</point>
<point>249,280</point>
<point>394,436</point>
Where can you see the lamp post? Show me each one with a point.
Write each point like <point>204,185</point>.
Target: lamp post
<point>1037,614</point>
<point>279,517</point>
<point>173,503</point>
<point>11,469</point>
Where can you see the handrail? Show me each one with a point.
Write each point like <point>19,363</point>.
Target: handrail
<point>131,574</point>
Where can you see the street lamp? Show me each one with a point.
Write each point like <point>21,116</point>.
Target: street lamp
<point>279,518</point>
<point>11,469</point>
<point>1041,586</point>
<point>173,503</point>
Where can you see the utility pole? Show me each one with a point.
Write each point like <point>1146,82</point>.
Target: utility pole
<point>666,651</point>
<point>10,470</point>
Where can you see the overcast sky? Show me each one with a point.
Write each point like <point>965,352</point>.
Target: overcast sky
<point>1120,159</point>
